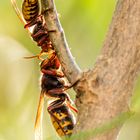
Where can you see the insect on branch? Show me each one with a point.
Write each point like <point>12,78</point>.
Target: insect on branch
<point>69,66</point>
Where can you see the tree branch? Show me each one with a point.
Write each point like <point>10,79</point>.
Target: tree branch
<point>69,66</point>
<point>104,92</point>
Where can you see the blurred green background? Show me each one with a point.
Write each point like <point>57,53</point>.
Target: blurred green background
<point>85,25</point>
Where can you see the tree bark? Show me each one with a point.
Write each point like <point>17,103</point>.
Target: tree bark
<point>105,91</point>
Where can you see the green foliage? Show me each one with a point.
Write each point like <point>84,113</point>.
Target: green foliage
<point>85,24</point>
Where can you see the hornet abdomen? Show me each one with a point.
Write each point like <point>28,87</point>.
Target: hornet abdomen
<point>62,120</point>
<point>30,9</point>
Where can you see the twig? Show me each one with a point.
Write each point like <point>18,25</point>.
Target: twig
<point>69,66</point>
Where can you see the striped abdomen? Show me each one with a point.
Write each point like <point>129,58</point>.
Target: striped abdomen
<point>30,9</point>
<point>62,120</point>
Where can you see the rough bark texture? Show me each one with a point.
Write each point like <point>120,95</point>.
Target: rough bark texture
<point>105,91</point>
